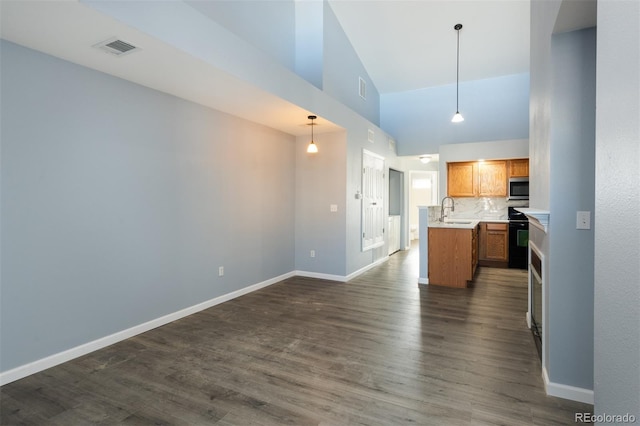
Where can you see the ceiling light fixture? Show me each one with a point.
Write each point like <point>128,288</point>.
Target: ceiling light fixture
<point>424,159</point>
<point>457,118</point>
<point>312,148</point>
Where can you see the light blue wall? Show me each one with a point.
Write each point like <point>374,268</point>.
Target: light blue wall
<point>119,203</point>
<point>494,109</point>
<point>357,141</point>
<point>562,173</point>
<point>309,41</point>
<point>617,231</point>
<point>289,31</point>
<point>320,182</point>
<point>268,25</point>
<point>188,211</point>
<point>570,286</point>
<point>167,20</point>
<point>543,18</point>
<point>342,70</point>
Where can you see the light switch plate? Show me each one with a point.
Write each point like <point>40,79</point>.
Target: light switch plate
<point>333,208</point>
<point>583,220</point>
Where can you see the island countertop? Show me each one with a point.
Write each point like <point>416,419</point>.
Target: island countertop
<point>455,224</point>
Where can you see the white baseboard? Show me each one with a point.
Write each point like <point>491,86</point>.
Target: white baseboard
<point>528,320</point>
<point>366,268</point>
<point>423,280</point>
<point>321,276</point>
<point>341,278</point>
<point>567,392</point>
<point>78,351</point>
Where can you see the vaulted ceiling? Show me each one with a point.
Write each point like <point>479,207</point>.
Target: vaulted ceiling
<point>404,45</point>
<point>408,45</point>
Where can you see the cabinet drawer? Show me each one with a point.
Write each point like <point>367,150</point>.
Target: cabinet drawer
<point>497,226</point>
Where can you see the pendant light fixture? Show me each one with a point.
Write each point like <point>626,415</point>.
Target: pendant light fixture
<point>312,148</point>
<point>457,118</point>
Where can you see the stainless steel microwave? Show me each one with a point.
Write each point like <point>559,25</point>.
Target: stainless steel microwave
<point>518,188</point>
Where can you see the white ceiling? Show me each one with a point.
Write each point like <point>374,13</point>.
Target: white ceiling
<point>407,45</point>
<point>404,45</point>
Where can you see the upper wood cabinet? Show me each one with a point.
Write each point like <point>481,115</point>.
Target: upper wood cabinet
<point>477,179</point>
<point>461,179</point>
<point>483,178</point>
<point>519,168</point>
<point>492,178</point>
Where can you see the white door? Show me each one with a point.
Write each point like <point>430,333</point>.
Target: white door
<point>372,200</point>
<point>393,234</point>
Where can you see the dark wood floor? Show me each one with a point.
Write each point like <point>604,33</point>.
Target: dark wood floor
<point>378,350</point>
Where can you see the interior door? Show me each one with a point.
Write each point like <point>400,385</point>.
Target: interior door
<point>372,200</point>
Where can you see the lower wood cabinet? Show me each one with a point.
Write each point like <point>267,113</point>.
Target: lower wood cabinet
<point>494,244</point>
<point>453,256</point>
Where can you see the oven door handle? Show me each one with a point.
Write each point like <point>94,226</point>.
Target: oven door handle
<point>519,224</point>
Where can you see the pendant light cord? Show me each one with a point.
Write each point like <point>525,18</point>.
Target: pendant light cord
<point>457,70</point>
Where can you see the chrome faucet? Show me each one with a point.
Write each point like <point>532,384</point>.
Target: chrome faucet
<point>442,207</point>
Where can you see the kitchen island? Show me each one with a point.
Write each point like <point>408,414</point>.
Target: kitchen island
<point>453,252</point>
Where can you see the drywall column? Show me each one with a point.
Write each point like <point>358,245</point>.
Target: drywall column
<point>617,231</point>
<point>569,290</point>
<point>423,229</point>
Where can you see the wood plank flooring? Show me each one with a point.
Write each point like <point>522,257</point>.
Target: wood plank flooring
<point>378,350</point>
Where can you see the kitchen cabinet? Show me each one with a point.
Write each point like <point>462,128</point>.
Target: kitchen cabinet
<point>519,168</point>
<point>461,179</point>
<point>477,179</point>
<point>492,178</point>
<point>453,256</point>
<point>494,244</point>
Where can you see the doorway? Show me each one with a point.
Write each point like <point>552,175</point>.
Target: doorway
<point>423,191</point>
<point>396,217</point>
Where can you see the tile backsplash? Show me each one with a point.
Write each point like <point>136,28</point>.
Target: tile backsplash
<point>479,208</point>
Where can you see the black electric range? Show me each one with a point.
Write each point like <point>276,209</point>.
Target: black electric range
<point>518,239</point>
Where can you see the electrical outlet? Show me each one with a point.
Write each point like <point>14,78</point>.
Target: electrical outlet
<point>583,220</point>
<point>221,271</point>
<point>333,208</point>
<point>312,253</point>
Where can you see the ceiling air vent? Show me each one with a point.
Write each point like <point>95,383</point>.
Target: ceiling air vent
<point>116,47</point>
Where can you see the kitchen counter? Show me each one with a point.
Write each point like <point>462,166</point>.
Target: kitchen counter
<point>456,224</point>
<point>453,256</point>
